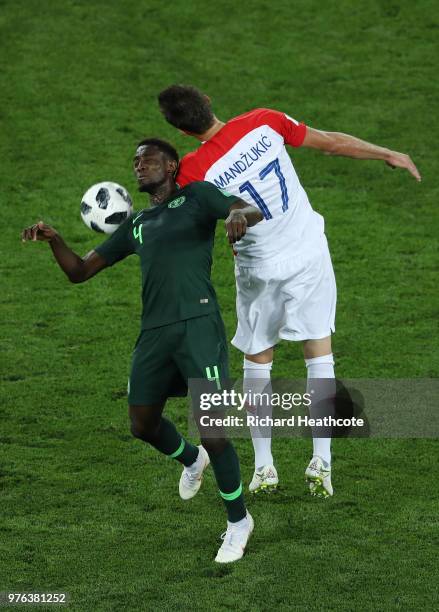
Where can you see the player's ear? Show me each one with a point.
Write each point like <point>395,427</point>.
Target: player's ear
<point>172,167</point>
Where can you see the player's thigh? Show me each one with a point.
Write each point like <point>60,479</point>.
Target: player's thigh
<point>310,297</point>
<point>154,375</point>
<point>259,307</point>
<point>203,352</point>
<point>203,356</point>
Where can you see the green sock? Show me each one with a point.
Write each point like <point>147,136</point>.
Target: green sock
<point>228,477</point>
<point>171,443</point>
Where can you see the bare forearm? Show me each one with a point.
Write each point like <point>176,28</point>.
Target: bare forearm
<point>77,269</point>
<point>252,214</point>
<point>241,216</point>
<point>69,262</point>
<point>350,146</point>
<point>336,143</point>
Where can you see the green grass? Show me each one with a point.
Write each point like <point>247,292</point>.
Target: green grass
<point>86,508</point>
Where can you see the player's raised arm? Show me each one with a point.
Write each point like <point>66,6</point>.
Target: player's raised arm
<point>76,268</point>
<point>336,143</point>
<point>241,216</point>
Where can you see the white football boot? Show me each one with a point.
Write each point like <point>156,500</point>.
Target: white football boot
<point>319,478</point>
<point>235,541</point>
<point>265,480</point>
<point>192,476</point>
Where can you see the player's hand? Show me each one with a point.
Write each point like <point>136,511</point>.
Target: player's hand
<point>400,160</point>
<point>38,231</point>
<point>236,226</point>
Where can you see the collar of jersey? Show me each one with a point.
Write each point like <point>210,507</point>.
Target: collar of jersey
<point>163,205</point>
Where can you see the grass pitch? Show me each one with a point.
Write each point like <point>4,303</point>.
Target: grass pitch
<point>84,507</point>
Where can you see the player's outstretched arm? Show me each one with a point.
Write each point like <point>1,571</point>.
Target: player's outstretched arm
<point>241,216</point>
<point>76,268</point>
<point>336,143</point>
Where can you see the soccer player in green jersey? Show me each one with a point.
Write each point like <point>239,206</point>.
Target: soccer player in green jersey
<point>182,334</point>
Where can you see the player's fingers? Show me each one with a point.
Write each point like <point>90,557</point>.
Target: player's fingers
<point>404,161</point>
<point>44,232</point>
<point>34,231</point>
<point>43,229</point>
<point>237,230</point>
<point>242,228</point>
<point>40,231</point>
<point>414,171</point>
<point>229,232</point>
<point>234,231</point>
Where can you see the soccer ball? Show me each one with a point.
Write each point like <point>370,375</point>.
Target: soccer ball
<point>105,206</point>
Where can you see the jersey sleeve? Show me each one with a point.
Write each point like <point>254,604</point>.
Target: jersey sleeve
<point>118,246</point>
<point>291,130</point>
<point>213,201</point>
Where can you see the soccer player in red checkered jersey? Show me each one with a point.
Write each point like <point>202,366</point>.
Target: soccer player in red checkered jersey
<point>285,282</point>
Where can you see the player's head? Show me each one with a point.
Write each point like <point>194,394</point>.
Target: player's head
<point>186,108</point>
<point>155,163</point>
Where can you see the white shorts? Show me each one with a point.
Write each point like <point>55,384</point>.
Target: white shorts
<point>292,300</point>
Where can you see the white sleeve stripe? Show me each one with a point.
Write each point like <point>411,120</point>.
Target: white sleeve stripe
<point>291,119</point>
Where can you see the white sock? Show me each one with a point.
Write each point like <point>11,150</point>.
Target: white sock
<point>317,368</point>
<point>256,379</point>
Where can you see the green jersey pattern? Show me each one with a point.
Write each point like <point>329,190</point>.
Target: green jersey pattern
<point>174,241</point>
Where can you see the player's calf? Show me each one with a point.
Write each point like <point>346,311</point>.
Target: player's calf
<point>148,425</point>
<point>145,422</point>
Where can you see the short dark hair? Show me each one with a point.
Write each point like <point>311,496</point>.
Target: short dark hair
<point>186,108</point>
<point>162,145</point>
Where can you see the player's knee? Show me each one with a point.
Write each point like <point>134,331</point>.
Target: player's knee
<point>214,446</point>
<point>313,349</point>
<point>144,430</point>
<point>136,430</point>
<point>147,434</point>
<point>262,357</point>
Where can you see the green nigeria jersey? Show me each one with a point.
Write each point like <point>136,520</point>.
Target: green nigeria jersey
<point>174,241</point>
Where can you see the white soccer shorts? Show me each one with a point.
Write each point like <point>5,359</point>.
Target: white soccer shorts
<point>291,300</point>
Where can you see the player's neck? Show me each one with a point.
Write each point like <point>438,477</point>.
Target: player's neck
<point>162,193</point>
<point>208,134</point>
